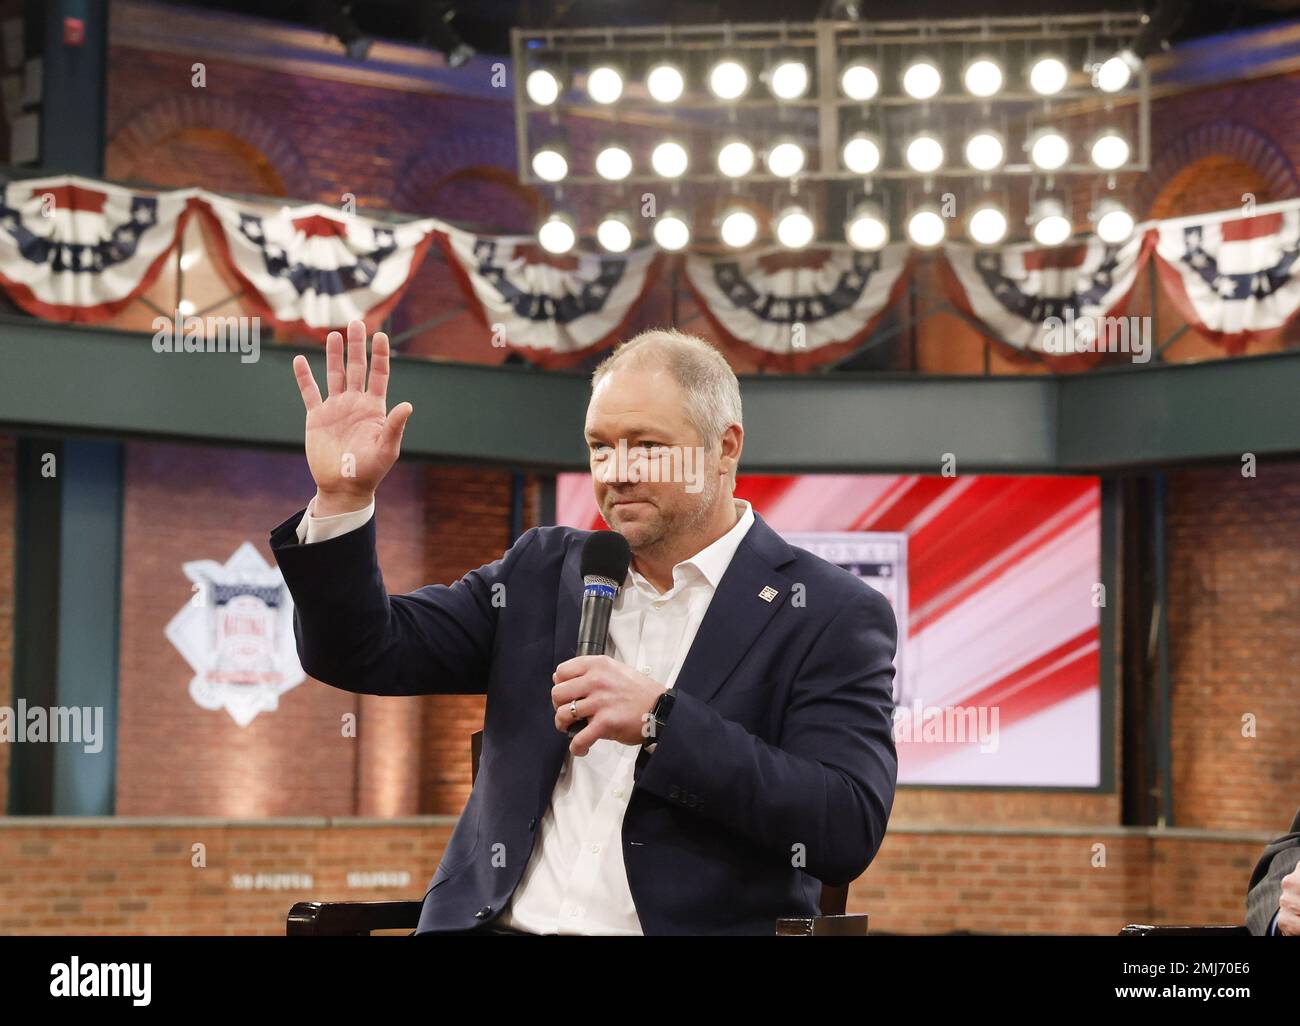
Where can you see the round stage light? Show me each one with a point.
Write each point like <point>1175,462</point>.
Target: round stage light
<point>736,159</point>
<point>542,86</point>
<point>785,159</point>
<point>1048,75</point>
<point>669,159</point>
<point>987,224</point>
<point>788,79</point>
<point>1049,149</point>
<point>613,163</point>
<point>1051,225</point>
<point>665,82</point>
<point>866,228</point>
<point>550,164</point>
<point>985,150</point>
<point>861,153</point>
<point>794,228</point>
<point>983,77</point>
<point>859,81</point>
<point>614,233</point>
<point>605,83</point>
<point>557,234</point>
<point>926,227</point>
<point>729,79</point>
<point>1114,74</point>
<point>1109,150</point>
<point>922,80</point>
<point>924,153</point>
<point>1113,221</point>
<point>738,228</point>
<point>672,232</point>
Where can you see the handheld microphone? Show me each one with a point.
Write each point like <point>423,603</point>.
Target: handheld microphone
<point>605,559</point>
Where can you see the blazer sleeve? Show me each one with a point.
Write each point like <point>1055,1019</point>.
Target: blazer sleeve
<point>355,636</point>
<point>825,790</point>
<point>1265,895</point>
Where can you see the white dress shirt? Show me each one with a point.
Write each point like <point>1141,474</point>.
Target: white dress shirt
<point>575,881</point>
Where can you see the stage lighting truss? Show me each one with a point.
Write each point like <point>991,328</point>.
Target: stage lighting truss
<point>894,108</point>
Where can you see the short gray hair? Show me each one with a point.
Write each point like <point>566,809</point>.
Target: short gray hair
<point>712,391</point>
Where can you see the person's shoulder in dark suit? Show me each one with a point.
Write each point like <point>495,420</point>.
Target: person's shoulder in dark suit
<point>1278,861</point>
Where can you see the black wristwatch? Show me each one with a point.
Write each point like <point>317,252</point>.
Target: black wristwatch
<point>659,717</point>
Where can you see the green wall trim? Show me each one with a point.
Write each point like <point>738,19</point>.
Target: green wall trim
<point>72,380</point>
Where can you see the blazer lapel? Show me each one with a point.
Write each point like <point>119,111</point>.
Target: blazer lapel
<point>737,613</point>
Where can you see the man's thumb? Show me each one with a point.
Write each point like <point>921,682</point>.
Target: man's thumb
<point>395,424</point>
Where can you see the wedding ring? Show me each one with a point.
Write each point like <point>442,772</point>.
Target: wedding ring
<point>573,708</point>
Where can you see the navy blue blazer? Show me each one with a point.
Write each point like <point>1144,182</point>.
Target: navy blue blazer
<point>775,771</point>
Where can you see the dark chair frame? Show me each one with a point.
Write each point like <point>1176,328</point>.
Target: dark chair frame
<point>361,918</point>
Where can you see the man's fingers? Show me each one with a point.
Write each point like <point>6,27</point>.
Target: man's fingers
<point>378,383</point>
<point>306,383</point>
<point>395,425</point>
<point>574,667</point>
<point>356,371</point>
<point>585,738</point>
<point>334,362</point>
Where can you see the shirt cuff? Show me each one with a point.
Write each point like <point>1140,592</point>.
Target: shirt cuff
<point>313,529</point>
<point>1272,926</point>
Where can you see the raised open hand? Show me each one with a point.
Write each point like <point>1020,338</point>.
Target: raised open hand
<point>351,440</point>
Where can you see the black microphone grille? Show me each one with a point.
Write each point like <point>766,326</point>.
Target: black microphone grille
<point>606,554</point>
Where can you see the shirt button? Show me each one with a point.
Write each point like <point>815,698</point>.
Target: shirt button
<point>595,849</point>
<point>618,792</point>
<point>645,669</point>
<point>573,911</point>
<point>656,604</point>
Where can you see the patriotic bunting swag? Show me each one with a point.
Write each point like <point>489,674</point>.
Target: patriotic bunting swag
<point>1059,301</point>
<point>798,309</point>
<point>73,249</point>
<point>313,268</point>
<point>1233,278</point>
<point>554,310</point>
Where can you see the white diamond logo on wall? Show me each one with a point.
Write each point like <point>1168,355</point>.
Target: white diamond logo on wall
<point>237,635</point>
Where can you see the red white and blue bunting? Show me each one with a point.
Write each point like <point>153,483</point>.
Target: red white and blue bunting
<point>72,249</point>
<point>77,250</point>
<point>1233,278</point>
<point>1048,300</point>
<point>553,310</point>
<point>798,309</point>
<point>313,268</point>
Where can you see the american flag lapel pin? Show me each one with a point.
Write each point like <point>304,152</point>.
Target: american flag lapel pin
<point>767,594</point>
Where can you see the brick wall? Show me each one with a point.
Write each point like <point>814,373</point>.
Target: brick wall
<point>125,876</point>
<point>1234,630</point>
<point>409,755</point>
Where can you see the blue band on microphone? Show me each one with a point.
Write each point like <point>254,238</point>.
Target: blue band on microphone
<point>600,591</point>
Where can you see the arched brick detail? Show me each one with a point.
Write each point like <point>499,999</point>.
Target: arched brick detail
<point>140,139</point>
<point>1221,138</point>
<point>441,162</point>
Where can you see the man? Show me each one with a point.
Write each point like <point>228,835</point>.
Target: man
<point>737,750</point>
<point>1273,902</point>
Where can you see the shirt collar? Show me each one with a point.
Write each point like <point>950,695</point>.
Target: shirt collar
<point>712,560</point>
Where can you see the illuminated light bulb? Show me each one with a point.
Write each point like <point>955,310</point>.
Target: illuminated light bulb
<point>542,86</point>
<point>794,228</point>
<point>1051,226</point>
<point>785,159</point>
<point>859,81</point>
<point>613,163</point>
<point>926,227</point>
<point>866,228</point>
<point>861,153</point>
<point>922,80</point>
<point>729,79</point>
<point>736,159</point>
<point>671,231</point>
<point>739,228</point>
<point>987,224</point>
<point>983,77</point>
<point>925,153</point>
<point>550,164</point>
<point>669,159</point>
<point>1110,150</point>
<point>665,83</point>
<point>789,79</point>
<point>605,84</point>
<point>985,151</point>
<point>557,234</point>
<point>1049,150</point>
<point>1048,75</point>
